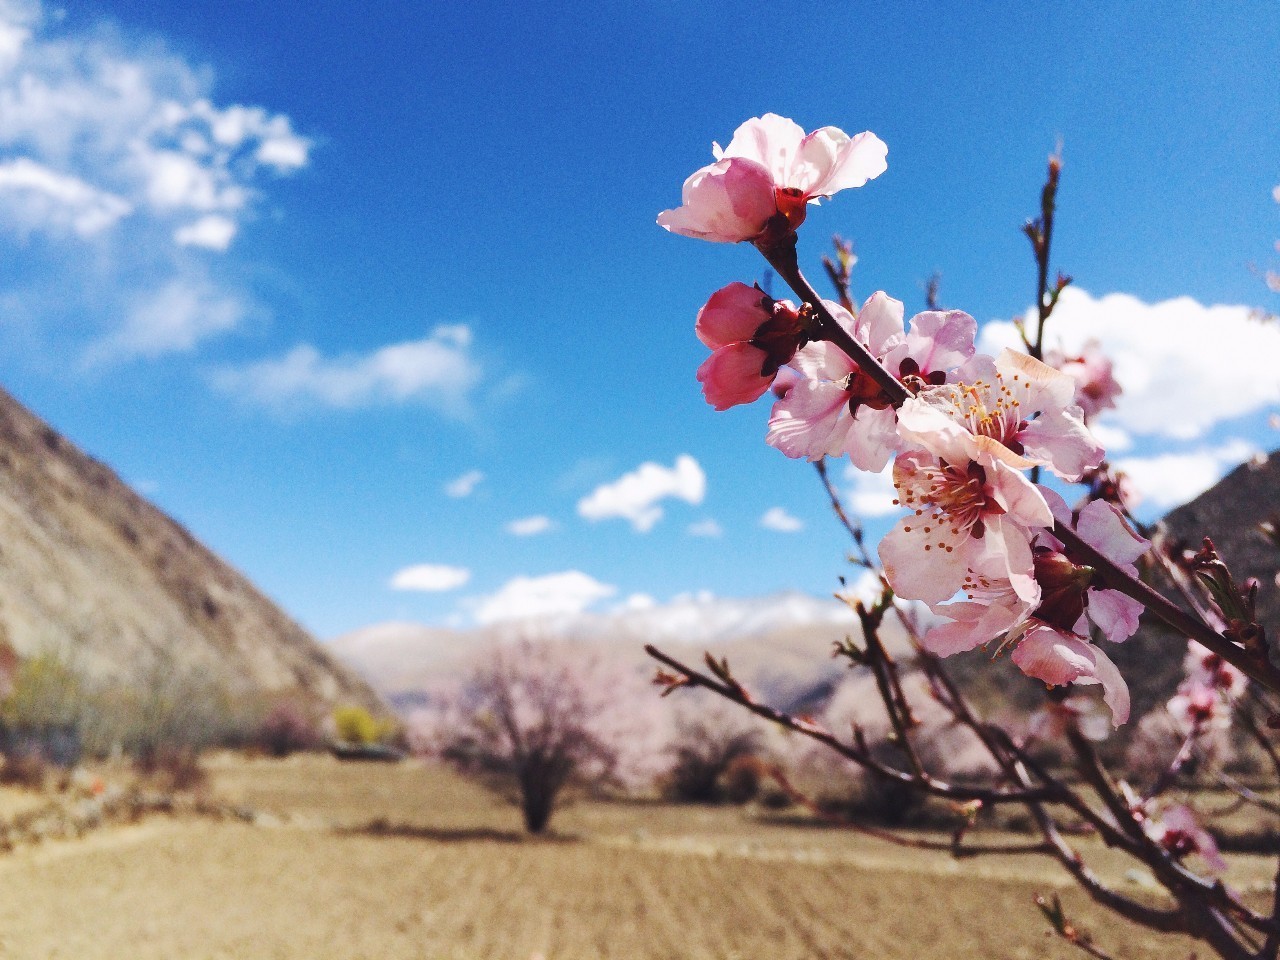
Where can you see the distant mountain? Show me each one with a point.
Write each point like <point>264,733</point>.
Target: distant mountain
<point>93,572</point>
<point>1229,512</point>
<point>779,645</point>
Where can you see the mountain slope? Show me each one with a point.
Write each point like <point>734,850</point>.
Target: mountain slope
<point>94,572</point>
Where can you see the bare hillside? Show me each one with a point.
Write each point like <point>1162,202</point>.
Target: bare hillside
<point>92,570</point>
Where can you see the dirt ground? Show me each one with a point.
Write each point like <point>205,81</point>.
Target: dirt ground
<point>386,862</point>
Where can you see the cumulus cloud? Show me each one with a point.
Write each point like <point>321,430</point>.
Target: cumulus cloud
<point>555,594</point>
<point>705,528</point>
<point>776,518</point>
<point>99,114</point>
<point>464,485</point>
<point>530,526</point>
<point>871,494</point>
<point>1184,366</point>
<point>430,578</point>
<point>212,232</point>
<point>438,369</point>
<point>1171,479</point>
<point>635,496</point>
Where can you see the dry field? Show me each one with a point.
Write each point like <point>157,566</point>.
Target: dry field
<point>378,862</point>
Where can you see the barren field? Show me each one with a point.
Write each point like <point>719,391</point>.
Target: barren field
<point>371,861</point>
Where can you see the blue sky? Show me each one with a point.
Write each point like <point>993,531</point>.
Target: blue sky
<point>427,249</point>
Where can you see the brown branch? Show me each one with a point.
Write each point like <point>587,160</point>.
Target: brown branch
<point>859,755</point>
<point>953,846</point>
<point>782,257</point>
<point>1117,579</point>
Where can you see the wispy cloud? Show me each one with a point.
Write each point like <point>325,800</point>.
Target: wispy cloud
<point>705,528</point>
<point>430,578</point>
<point>120,177</point>
<point>635,496</point>
<point>438,370</point>
<point>777,519</point>
<point>464,485</point>
<point>871,494</point>
<point>530,526</point>
<point>1184,366</point>
<point>554,594</point>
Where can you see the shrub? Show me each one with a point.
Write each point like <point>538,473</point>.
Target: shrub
<point>358,727</point>
<point>287,729</point>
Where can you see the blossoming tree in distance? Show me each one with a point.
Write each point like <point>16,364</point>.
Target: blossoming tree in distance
<point>997,559</point>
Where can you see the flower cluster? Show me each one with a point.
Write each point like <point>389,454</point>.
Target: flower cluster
<point>977,546</point>
<point>1205,697</point>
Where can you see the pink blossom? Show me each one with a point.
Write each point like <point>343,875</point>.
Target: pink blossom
<point>1103,527</point>
<point>750,336</point>
<point>1096,386</point>
<point>1014,402</point>
<point>1056,717</point>
<point>837,409</point>
<point>970,512</point>
<point>762,182</point>
<point>1059,658</point>
<point>1203,702</point>
<point>1197,709</point>
<point>1178,831</point>
<point>1205,668</point>
<point>1047,626</point>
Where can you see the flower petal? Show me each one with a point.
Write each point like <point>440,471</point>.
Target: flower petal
<point>771,141</point>
<point>1103,527</point>
<point>1115,614</point>
<point>727,202</point>
<point>914,569</point>
<point>857,159</point>
<point>880,322</point>
<point>731,375</point>
<point>872,438</point>
<point>940,339</point>
<point>1060,658</point>
<point>732,313</point>
<point>806,422</point>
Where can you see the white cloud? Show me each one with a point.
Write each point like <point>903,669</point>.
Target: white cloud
<point>126,118</point>
<point>705,528</point>
<point>173,318</point>
<point>530,526</point>
<point>464,485</point>
<point>438,369</point>
<point>635,495</point>
<point>116,160</point>
<point>35,198</point>
<point>776,518</point>
<point>1171,479</point>
<point>430,578</point>
<point>211,232</point>
<point>871,494</point>
<point>1184,366</point>
<point>555,594</point>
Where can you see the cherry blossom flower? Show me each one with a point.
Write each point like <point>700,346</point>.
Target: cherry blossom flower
<point>1014,402</point>
<point>1202,704</point>
<point>1177,830</point>
<point>838,409</point>
<point>1096,386</point>
<point>760,185</point>
<point>751,336</point>
<point>972,511</point>
<point>1047,628</point>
